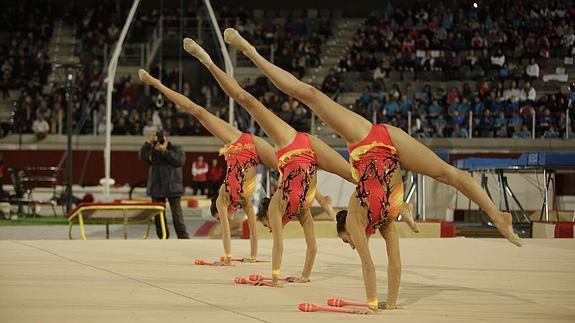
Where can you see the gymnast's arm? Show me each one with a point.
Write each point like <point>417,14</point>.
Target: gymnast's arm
<point>307,224</point>
<point>252,222</point>
<point>357,232</point>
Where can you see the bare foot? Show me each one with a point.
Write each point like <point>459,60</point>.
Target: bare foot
<point>233,37</point>
<point>504,223</point>
<point>145,77</point>
<point>407,214</point>
<point>197,51</point>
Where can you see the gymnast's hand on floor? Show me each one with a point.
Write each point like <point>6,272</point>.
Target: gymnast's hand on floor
<point>504,224</point>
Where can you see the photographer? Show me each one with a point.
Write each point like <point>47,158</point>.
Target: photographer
<point>165,178</point>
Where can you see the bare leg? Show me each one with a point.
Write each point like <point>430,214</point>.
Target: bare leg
<point>418,158</point>
<point>394,264</point>
<point>216,126</point>
<point>331,161</point>
<point>351,126</point>
<point>325,203</point>
<point>306,222</point>
<point>252,222</point>
<point>266,153</point>
<point>407,216</point>
<point>281,133</point>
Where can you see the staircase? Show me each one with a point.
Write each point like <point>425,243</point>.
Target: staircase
<point>62,50</point>
<point>334,49</point>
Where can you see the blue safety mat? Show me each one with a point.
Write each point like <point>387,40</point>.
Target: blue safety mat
<point>526,160</point>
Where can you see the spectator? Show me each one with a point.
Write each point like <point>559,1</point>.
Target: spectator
<point>120,128</point>
<point>181,128</point>
<point>459,132</point>
<point>545,120</point>
<point>523,133</point>
<point>497,59</point>
<point>500,125</point>
<point>551,133</point>
<point>532,70</point>
<point>150,129</point>
<point>40,127</point>
<point>528,94</point>
<point>330,83</point>
<point>390,109</point>
<point>457,118</point>
<point>440,123</point>
<point>199,176</point>
<point>435,109</point>
<point>165,179</point>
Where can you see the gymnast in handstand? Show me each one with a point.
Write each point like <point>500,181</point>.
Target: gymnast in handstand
<point>242,152</point>
<point>298,155</point>
<point>377,153</point>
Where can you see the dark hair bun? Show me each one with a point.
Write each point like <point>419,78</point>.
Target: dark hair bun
<point>341,215</point>
<point>340,218</point>
<point>263,208</point>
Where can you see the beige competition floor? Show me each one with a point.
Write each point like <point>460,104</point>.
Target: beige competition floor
<point>444,280</point>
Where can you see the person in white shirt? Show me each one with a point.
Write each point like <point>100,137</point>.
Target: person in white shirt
<point>149,129</point>
<point>498,59</point>
<point>528,93</point>
<point>40,126</point>
<point>532,70</point>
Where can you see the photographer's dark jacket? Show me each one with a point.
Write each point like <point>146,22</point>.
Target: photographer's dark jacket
<point>165,175</point>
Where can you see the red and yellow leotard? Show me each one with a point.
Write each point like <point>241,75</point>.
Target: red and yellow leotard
<point>240,155</point>
<point>297,166</point>
<point>374,160</point>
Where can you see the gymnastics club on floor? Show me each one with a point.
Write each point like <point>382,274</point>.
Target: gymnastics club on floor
<point>202,262</point>
<point>337,302</point>
<point>223,258</point>
<point>306,307</point>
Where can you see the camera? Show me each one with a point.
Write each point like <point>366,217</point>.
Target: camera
<point>160,137</point>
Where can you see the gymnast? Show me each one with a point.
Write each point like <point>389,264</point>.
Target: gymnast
<point>377,153</point>
<point>242,152</point>
<point>298,155</point>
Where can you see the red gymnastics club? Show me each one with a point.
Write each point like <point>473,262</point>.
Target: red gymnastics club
<point>202,262</point>
<point>306,307</point>
<point>342,302</point>
<point>223,258</point>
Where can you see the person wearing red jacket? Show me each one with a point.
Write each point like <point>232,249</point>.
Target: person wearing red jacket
<point>199,176</point>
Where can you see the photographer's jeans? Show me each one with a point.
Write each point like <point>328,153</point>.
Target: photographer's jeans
<point>177,217</point>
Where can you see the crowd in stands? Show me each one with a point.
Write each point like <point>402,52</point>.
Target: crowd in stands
<point>493,109</point>
<point>24,62</point>
<point>494,50</point>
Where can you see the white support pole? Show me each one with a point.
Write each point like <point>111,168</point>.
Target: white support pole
<point>107,181</point>
<point>225,54</point>
<point>533,123</point>
<point>409,123</point>
<point>470,134</point>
